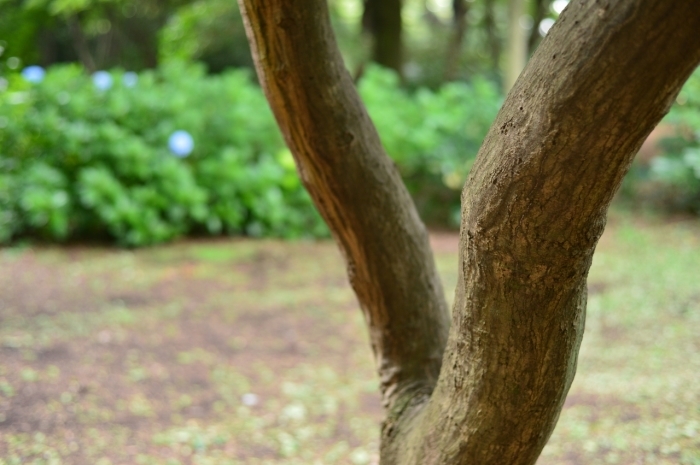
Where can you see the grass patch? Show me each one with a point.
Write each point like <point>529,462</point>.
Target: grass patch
<point>254,352</point>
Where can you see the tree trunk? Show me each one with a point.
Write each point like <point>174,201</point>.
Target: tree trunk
<point>460,10</point>
<point>80,44</point>
<point>517,44</point>
<point>533,209</point>
<point>382,20</point>
<point>357,189</point>
<point>540,8</point>
<point>494,42</point>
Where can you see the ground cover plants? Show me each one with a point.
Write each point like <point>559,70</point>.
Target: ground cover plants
<point>254,352</point>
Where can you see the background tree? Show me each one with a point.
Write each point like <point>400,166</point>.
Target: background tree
<point>381,19</point>
<point>517,43</point>
<point>494,43</point>
<point>137,35</point>
<point>98,34</point>
<point>539,9</point>
<point>460,10</point>
<point>489,389</point>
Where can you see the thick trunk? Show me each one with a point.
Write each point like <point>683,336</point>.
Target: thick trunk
<point>533,209</point>
<point>382,19</point>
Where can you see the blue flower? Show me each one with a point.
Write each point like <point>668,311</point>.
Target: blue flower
<point>130,79</point>
<point>102,80</point>
<point>181,143</point>
<point>33,74</point>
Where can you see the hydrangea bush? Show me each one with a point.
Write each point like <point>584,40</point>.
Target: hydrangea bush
<point>146,158</point>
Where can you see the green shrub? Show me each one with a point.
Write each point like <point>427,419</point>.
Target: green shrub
<point>80,161</point>
<point>432,135</point>
<point>209,31</point>
<point>679,167</point>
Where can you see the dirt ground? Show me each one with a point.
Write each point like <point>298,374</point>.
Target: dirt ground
<point>240,351</point>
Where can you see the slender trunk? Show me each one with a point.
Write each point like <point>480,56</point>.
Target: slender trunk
<point>104,47</point>
<point>539,12</point>
<point>460,11</point>
<point>47,47</point>
<point>533,209</point>
<point>382,20</point>
<point>492,38</point>
<point>80,44</point>
<point>517,44</point>
<point>357,189</point>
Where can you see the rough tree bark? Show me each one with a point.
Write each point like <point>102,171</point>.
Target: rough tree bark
<point>357,189</point>
<point>534,206</point>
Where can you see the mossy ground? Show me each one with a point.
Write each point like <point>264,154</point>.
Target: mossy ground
<point>242,351</point>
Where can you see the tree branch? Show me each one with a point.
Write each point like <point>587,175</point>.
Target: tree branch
<point>357,189</point>
<point>533,209</point>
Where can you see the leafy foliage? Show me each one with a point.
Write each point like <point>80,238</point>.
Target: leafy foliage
<point>210,31</point>
<point>83,160</point>
<point>432,135</point>
<point>98,33</point>
<point>679,167</point>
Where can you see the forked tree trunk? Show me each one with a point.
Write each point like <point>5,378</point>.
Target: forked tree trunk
<point>533,209</point>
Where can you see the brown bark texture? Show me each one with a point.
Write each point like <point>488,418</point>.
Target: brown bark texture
<point>357,189</point>
<point>533,209</point>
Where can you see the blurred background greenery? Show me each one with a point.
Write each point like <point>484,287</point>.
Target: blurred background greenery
<point>93,95</point>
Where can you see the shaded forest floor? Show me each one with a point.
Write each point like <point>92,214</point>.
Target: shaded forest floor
<point>254,352</point>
